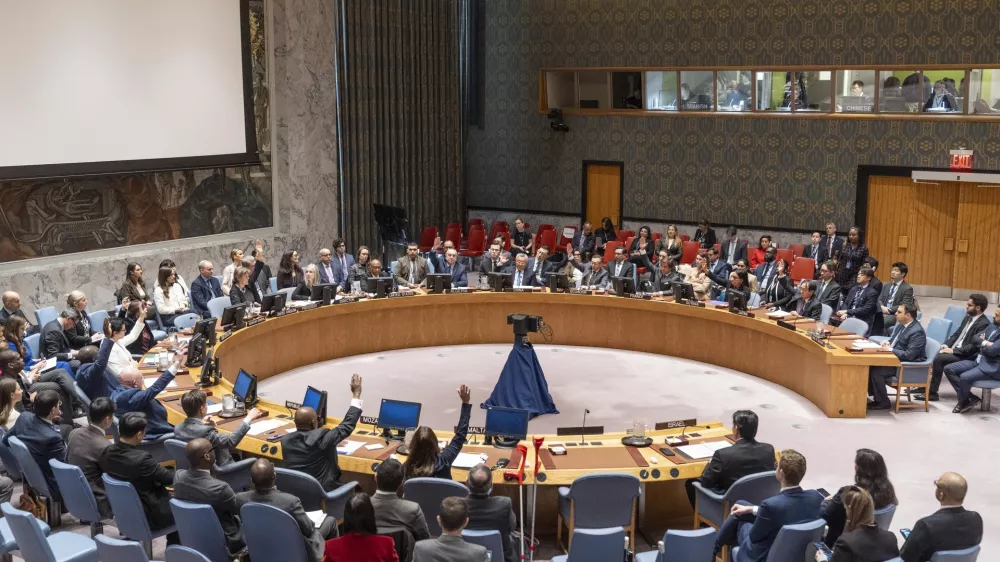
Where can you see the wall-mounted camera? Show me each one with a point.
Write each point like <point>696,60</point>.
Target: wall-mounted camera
<point>556,121</point>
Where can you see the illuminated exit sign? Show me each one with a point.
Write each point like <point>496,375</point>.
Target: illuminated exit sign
<point>961,160</point>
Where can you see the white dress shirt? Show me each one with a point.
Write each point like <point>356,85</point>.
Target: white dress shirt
<point>227,278</point>
<point>120,358</point>
<point>176,300</point>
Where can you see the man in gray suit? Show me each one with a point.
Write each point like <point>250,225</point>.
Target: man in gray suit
<point>895,293</point>
<point>85,445</point>
<point>197,485</point>
<point>265,492</point>
<point>595,275</point>
<point>488,512</point>
<point>199,425</point>
<point>392,512</point>
<point>450,546</point>
<point>411,269</point>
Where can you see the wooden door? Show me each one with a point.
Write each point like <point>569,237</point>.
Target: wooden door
<point>603,193</point>
<point>977,253</point>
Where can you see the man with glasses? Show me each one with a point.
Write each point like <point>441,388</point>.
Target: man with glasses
<point>950,528</point>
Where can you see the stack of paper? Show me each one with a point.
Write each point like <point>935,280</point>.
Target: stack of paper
<point>150,380</point>
<point>703,450</point>
<point>265,426</point>
<point>348,447</point>
<point>865,344</point>
<point>316,517</point>
<point>469,460</point>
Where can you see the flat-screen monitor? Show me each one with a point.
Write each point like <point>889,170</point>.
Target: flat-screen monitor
<point>557,281</point>
<point>195,351</point>
<point>244,385</point>
<point>206,327</point>
<point>737,301</point>
<point>438,282</point>
<point>324,292</point>
<point>233,316</point>
<point>398,415</point>
<point>682,291</point>
<point>316,399</point>
<point>500,280</point>
<point>378,286</point>
<point>623,285</point>
<point>272,304</point>
<point>509,423</point>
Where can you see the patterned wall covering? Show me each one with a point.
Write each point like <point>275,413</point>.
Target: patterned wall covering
<point>770,172</point>
<point>52,217</point>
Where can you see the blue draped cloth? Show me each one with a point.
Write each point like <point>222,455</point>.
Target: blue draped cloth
<point>522,384</point>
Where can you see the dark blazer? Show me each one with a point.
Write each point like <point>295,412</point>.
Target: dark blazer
<point>246,295</point>
<point>135,400</point>
<point>136,466</point>
<point>198,486</point>
<point>862,303</point>
<point>442,464</point>
<point>44,442</point>
<point>339,272</point>
<point>811,309</point>
<point>835,515</point>
<point>866,543</point>
<point>909,342</point>
<point>991,355</point>
<point>720,268</point>
<point>586,243</point>
<point>969,347</point>
<point>781,292</point>
<point>84,448</point>
<point>493,513</point>
<point>838,244</point>
<point>393,512</point>
<point>459,277</point>
<point>949,528</point>
<point>292,506</point>
<point>647,253</point>
<point>527,277</point>
<point>92,377</point>
<point>355,547</point>
<point>598,278</point>
<point>732,463</point>
<point>628,269</point>
<point>763,271</point>
<point>949,102</point>
<point>4,315</point>
<point>202,291</point>
<point>54,342</point>
<point>194,428</point>
<point>79,336</point>
<point>789,507</point>
<point>548,266</point>
<point>739,254</point>
<point>286,280</point>
<point>830,296</point>
<point>663,283</point>
<point>675,252</point>
<point>302,292</point>
<point>903,295</point>
<point>487,266</point>
<point>818,254</point>
<point>707,239</point>
<point>315,452</point>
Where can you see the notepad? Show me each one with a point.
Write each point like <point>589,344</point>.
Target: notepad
<point>316,517</point>
<point>716,445</point>
<point>50,364</point>
<point>469,460</point>
<point>374,446</point>
<point>865,344</point>
<point>700,451</point>
<point>777,314</point>
<point>265,426</point>
<point>348,447</point>
<point>213,408</point>
<point>151,380</point>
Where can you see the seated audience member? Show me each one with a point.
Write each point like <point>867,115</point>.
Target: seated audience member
<point>780,290</point>
<point>180,280</point>
<point>663,275</point>
<point>875,282</point>
<point>862,302</point>
<point>15,329</point>
<point>672,243</point>
<point>744,265</point>
<point>289,271</point>
<point>391,511</point>
<point>520,275</point>
<point>359,271</point>
<point>757,254</point>
<point>605,234</point>
<point>754,528</point>
<point>594,275</point>
<point>733,249</point>
<point>620,266</point>
<point>303,291</point>
<point>54,342</point>
<point>34,381</point>
<point>521,240</point>
<point>39,431</point>
<point>828,290</point>
<point>12,307</point>
<point>950,528</point>
<point>450,546</point>
<point>236,256</point>
<point>85,446</point>
<point>426,457</point>
<point>585,240</point>
<point>495,260</point>
<point>705,235</point>
<point>95,378</point>
<point>121,336</point>
<point>125,460</point>
<point>264,491</point>
<point>81,333</point>
<point>962,374</point>
<point>170,298</point>
<point>542,264</point>
<point>697,276</point>
<point>641,250</point>
<point>313,449</point>
<point>906,343</point>
<point>10,396</point>
<point>204,288</point>
<point>133,313</point>
<point>361,541</point>
<point>863,540</point>
<point>459,278</point>
<point>962,345</point>
<point>488,512</point>
<point>805,304</point>
<point>198,485</point>
<point>870,475</point>
<point>411,269</point>
<point>747,456</point>
<point>132,396</point>
<point>893,294</point>
<point>134,288</point>
<point>199,425</point>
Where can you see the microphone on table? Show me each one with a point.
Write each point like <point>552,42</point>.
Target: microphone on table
<point>583,428</point>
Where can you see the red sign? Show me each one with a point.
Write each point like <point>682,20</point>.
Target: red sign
<point>961,160</point>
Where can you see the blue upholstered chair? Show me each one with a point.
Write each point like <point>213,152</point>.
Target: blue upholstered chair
<point>118,550</point>
<point>595,545</point>
<point>185,321</point>
<point>793,540</point>
<point>8,543</point>
<point>35,478</point>
<point>200,529</point>
<point>34,546</point>
<point>178,553</point>
<point>713,508</point>
<point>987,386</point>
<point>915,375</point>
<point>97,320</point>
<point>32,342</point>
<point>956,314</point>
<point>8,459</point>
<point>966,555</point>
<point>855,325</point>
<point>236,474</point>
<point>129,515</point>
<point>273,282</point>
<point>683,546</point>
<point>77,495</point>
<point>824,316</point>
<point>490,539</point>
<point>45,315</point>
<point>218,305</point>
<point>310,492</point>
<point>272,534</point>
<point>598,501</point>
<point>429,493</point>
<point>939,329</point>
<point>883,517</point>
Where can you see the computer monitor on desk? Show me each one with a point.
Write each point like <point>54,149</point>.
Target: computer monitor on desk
<point>379,286</point>
<point>499,280</point>
<point>323,292</point>
<point>232,316</point>
<point>272,304</point>
<point>556,282</point>
<point>737,301</point>
<point>682,291</point>
<point>438,282</point>
<point>316,399</point>
<point>206,327</point>
<point>505,427</point>
<point>623,285</point>
<point>245,389</point>
<point>398,416</point>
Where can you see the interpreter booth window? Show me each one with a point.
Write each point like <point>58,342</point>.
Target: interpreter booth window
<point>855,91</point>
<point>661,90</point>
<point>560,89</point>
<point>697,90</point>
<point>808,91</point>
<point>595,90</point>
<point>900,91</point>
<point>626,90</point>
<point>984,91</point>
<point>734,90</point>
<point>770,88</point>
<point>943,91</point>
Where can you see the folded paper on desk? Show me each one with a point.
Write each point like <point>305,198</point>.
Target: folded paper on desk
<point>214,408</point>
<point>469,460</point>
<point>777,314</point>
<point>265,426</point>
<point>150,380</point>
<point>316,517</point>
<point>703,450</point>
<point>348,447</point>
<point>865,344</point>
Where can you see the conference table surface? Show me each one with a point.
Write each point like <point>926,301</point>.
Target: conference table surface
<point>832,377</point>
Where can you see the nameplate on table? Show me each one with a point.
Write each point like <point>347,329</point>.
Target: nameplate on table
<point>225,335</point>
<point>310,306</point>
<point>292,405</point>
<point>474,430</point>
<point>369,420</point>
<point>400,294</point>
<point>695,303</point>
<point>579,291</point>
<point>641,296</point>
<point>786,325</point>
<point>254,321</point>
<point>346,300</point>
<point>675,424</point>
<point>459,290</point>
<point>519,290</point>
<point>281,313</point>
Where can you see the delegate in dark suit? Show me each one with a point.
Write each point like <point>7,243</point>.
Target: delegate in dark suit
<point>547,266</point>
<point>891,296</point>
<point>586,243</point>
<point>341,267</point>
<point>520,279</point>
<point>44,442</point>
<point>459,277</point>
<point>908,344</point>
<point>84,449</point>
<point>202,291</point>
<point>315,452</point>
<point>949,528</point>
<point>738,251</point>
<point>866,543</point>
<point>198,486</point>
<point>194,428</point>
<point>448,548</point>
<point>136,466</point>
<point>828,293</point>
<point>962,374</point>
<point>144,400</point>
<point>705,238</point>
<point>293,506</point>
<point>393,512</point>
<point>732,463</point>
<point>5,314</point>
<point>660,282</point>
<point>791,506</point>
<point>964,343</point>
<point>493,513</point>
<point>92,378</point>
<point>862,303</point>
<point>805,309</point>
<point>54,342</point>
<point>831,249</point>
<point>621,269</point>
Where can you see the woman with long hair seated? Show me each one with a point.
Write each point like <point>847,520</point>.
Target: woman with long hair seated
<point>289,272</point>
<point>781,291</point>
<point>863,540</point>
<point>426,457</point>
<point>641,250</point>
<point>361,541</point>
<point>871,475</point>
<point>118,331</point>
<point>672,243</point>
<point>10,396</point>
<point>304,290</point>
<point>134,312</point>
<point>13,334</point>
<point>170,298</point>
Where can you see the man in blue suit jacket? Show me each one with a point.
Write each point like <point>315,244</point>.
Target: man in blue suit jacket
<point>92,378</point>
<point>204,288</point>
<point>340,263</point>
<point>733,249</point>
<point>753,529</point>
<point>540,265</point>
<point>450,265</point>
<point>39,431</point>
<point>621,267</point>
<point>831,243</point>
<point>907,342</point>
<point>132,396</point>
<point>962,374</point>
<point>862,302</point>
<point>520,275</point>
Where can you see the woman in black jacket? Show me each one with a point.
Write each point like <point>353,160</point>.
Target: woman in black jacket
<point>303,291</point>
<point>605,234</point>
<point>289,272</point>
<point>871,475</point>
<point>641,250</point>
<point>781,291</point>
<point>426,459</point>
<point>863,540</point>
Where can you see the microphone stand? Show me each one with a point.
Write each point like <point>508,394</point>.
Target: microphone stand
<point>583,428</point>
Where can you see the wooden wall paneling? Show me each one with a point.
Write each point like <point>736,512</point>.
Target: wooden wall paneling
<point>978,223</point>
<point>933,221</point>
<point>889,210</point>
